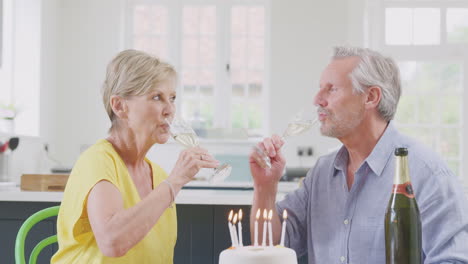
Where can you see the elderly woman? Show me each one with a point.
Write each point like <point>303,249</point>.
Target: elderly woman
<point>118,205</point>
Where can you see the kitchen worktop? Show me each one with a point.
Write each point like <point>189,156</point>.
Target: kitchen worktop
<point>185,196</point>
<point>201,219</point>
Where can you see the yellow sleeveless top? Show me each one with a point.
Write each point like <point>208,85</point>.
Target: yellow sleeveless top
<point>75,237</point>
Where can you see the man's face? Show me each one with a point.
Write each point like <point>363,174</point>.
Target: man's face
<point>340,109</point>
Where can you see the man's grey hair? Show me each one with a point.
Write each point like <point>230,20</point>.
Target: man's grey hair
<point>374,69</point>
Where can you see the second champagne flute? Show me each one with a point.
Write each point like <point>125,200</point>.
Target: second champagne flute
<point>302,122</point>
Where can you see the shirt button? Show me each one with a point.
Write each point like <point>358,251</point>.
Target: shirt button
<point>342,258</point>
<point>346,221</point>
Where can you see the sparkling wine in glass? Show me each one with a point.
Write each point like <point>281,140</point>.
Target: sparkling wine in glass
<point>187,140</point>
<point>183,133</point>
<point>300,124</point>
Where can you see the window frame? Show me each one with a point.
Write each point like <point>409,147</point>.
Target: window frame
<point>222,107</point>
<point>7,50</point>
<point>445,52</point>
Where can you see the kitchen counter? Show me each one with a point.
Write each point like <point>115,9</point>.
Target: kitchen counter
<point>185,196</point>
<point>201,219</point>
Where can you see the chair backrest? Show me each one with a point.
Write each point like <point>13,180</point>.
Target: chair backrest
<point>23,232</point>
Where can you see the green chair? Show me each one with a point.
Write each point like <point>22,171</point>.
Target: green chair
<point>23,232</point>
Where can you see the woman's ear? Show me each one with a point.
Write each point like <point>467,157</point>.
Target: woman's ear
<point>374,95</point>
<point>119,106</point>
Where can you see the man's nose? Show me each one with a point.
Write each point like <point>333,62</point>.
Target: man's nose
<point>319,99</point>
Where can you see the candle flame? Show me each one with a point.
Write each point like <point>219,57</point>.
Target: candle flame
<point>234,221</point>
<point>285,214</point>
<point>230,215</point>
<point>258,213</point>
<point>265,214</point>
<point>270,215</point>
<point>240,215</point>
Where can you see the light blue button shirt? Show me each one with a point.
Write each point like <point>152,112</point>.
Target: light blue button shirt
<point>334,225</point>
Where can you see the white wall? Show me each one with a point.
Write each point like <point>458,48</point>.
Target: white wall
<point>24,55</point>
<point>26,63</point>
<point>80,37</point>
<point>303,34</point>
<point>49,67</point>
<point>89,36</point>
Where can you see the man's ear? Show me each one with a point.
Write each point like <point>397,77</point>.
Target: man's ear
<point>119,106</point>
<point>374,95</point>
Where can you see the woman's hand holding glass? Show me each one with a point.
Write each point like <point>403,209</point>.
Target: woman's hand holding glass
<point>183,133</point>
<point>189,163</point>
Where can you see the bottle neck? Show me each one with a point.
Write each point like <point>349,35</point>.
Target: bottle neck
<point>401,170</point>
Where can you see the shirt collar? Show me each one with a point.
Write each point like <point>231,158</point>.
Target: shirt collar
<point>383,151</point>
<point>378,158</point>
<point>341,159</point>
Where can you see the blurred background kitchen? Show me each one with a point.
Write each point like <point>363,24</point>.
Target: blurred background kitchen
<point>245,67</point>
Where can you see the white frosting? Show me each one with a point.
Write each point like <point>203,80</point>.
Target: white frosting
<point>258,255</point>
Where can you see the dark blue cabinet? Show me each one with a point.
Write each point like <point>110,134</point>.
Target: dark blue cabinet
<point>12,216</point>
<point>202,231</point>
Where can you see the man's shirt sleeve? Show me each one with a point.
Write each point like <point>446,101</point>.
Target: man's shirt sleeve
<point>444,216</point>
<point>296,204</point>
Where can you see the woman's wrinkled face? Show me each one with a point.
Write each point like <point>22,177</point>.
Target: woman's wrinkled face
<point>147,113</point>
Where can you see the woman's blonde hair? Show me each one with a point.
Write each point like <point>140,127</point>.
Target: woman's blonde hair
<point>133,72</point>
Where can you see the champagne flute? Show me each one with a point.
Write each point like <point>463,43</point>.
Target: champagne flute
<point>183,133</point>
<point>299,125</point>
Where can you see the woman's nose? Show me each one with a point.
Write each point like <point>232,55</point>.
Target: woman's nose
<point>169,109</point>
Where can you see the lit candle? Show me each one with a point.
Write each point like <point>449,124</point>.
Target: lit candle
<point>270,233</point>
<point>264,227</point>
<point>234,229</point>
<point>283,231</point>
<point>230,228</point>
<point>240,228</point>
<point>256,228</point>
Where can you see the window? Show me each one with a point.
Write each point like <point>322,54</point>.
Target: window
<point>219,50</point>
<point>430,109</point>
<point>429,39</point>
<point>412,26</point>
<point>457,25</point>
<point>1,32</point>
<point>5,67</point>
<point>19,71</point>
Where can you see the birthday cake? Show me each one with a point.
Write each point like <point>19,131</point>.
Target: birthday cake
<point>258,255</point>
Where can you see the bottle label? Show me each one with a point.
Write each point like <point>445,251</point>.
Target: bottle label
<point>405,189</point>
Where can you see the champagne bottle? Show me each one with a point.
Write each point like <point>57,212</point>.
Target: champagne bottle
<point>402,219</point>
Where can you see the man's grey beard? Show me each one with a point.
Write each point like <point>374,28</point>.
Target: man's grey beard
<point>341,126</point>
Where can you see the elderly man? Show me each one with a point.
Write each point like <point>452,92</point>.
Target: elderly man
<point>337,216</point>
